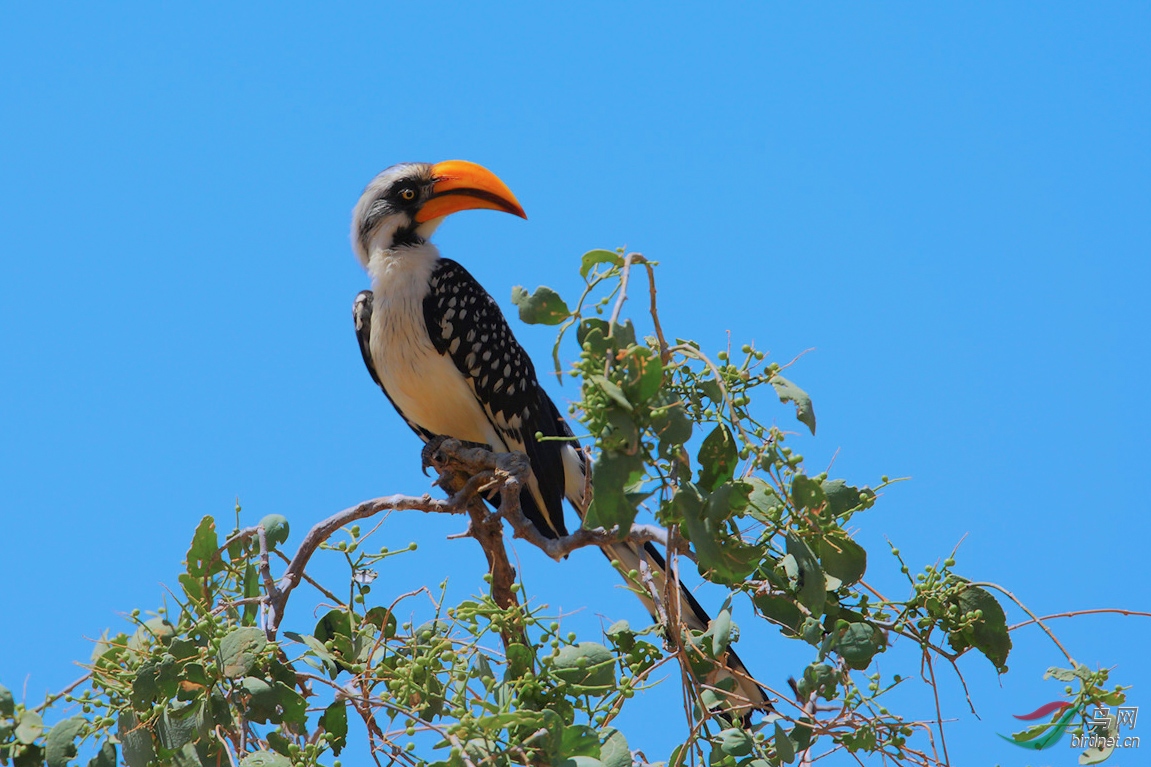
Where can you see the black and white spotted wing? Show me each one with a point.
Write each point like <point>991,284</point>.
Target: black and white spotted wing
<point>465,323</point>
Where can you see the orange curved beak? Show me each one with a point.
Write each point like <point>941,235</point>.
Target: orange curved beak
<point>461,185</point>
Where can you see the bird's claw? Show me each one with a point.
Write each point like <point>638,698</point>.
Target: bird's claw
<point>427,455</point>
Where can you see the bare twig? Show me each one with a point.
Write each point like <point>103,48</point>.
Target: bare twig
<point>57,696</point>
<point>1077,613</point>
<point>265,564</point>
<point>664,352</point>
<point>224,742</point>
<point>938,708</point>
<point>624,275</point>
<point>1034,618</point>
<point>323,530</point>
<point>310,580</point>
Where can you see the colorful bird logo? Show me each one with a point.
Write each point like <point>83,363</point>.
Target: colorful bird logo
<point>1041,736</point>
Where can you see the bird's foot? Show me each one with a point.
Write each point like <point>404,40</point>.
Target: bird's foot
<point>427,455</point>
<point>430,457</point>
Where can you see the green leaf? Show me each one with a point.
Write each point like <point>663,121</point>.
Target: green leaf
<point>712,390</point>
<point>801,734</point>
<point>239,650</point>
<point>335,720</point>
<point>729,499</point>
<point>187,756</point>
<point>153,631</point>
<point>29,756</point>
<point>326,661</point>
<point>276,529</point>
<point>556,364</point>
<point>251,591</point>
<point>720,631</point>
<point>612,474</point>
<point>589,666</point>
<point>781,610</point>
<point>135,741</point>
<point>145,687</point>
<point>614,751</point>
<point>784,748</point>
<point>336,623</point>
<point>643,374</point>
<point>722,556</point>
<point>842,497</point>
<point>811,583</point>
<point>623,434</point>
<point>29,726</point>
<point>593,257</point>
<point>193,587</point>
<point>1062,674</point>
<point>858,643</point>
<point>480,750</point>
<point>279,743</point>
<point>989,635</point>
<point>807,493</point>
<point>612,390</point>
<point>763,503</point>
<point>433,698</point>
<point>735,742</point>
<point>687,507</point>
<point>578,761</point>
<point>717,458</point>
<point>543,307</point>
<point>383,620</point>
<point>600,335</point>
<point>262,700</point>
<point>293,707</point>
<point>591,335</point>
<point>672,426</point>
<point>519,661</point>
<point>789,392</point>
<point>7,704</point>
<point>202,560</point>
<point>60,745</point>
<point>621,336</point>
<point>843,558</point>
<point>820,678</point>
<point>579,740</point>
<point>105,757</point>
<point>1098,753</point>
<point>812,631</point>
<point>266,759</point>
<point>175,728</point>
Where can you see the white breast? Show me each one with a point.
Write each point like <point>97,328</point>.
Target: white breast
<point>425,385</point>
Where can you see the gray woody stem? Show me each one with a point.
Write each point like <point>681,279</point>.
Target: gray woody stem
<point>465,471</point>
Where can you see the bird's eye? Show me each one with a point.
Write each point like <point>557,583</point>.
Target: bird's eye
<point>407,194</point>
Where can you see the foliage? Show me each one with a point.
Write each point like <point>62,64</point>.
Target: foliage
<point>674,436</point>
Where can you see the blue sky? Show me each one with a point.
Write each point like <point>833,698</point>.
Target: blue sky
<point>950,205</point>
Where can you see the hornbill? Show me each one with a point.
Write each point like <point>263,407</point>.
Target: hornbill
<point>439,346</point>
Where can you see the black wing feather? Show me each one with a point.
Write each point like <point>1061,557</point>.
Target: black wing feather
<point>465,323</point>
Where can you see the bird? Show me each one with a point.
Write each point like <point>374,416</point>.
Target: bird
<point>435,341</point>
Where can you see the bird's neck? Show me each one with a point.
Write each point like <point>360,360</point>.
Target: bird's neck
<point>403,272</point>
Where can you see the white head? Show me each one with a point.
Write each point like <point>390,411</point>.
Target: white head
<point>403,205</point>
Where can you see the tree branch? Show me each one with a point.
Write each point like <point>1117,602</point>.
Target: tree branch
<point>321,531</point>
<point>467,472</point>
